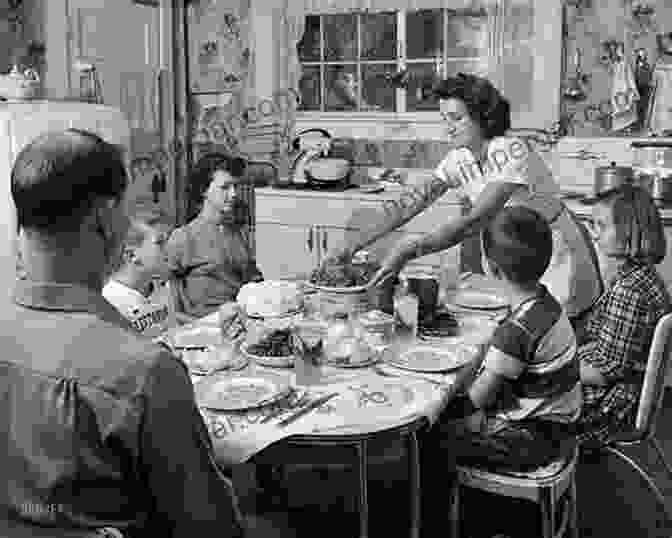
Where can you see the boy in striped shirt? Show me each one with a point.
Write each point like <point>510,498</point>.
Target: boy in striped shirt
<point>522,395</point>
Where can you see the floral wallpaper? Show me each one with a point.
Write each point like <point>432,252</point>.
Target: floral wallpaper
<point>594,29</point>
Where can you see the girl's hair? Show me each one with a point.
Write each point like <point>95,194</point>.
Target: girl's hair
<point>201,177</point>
<point>638,224</point>
<point>485,104</point>
<point>519,242</point>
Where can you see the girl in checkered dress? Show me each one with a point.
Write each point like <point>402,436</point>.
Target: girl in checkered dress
<point>614,349</point>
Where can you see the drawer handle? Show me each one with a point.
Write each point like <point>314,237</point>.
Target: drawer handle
<point>310,239</point>
<point>324,240</point>
<point>584,155</point>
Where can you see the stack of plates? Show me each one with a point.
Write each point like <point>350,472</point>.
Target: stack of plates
<point>471,301</point>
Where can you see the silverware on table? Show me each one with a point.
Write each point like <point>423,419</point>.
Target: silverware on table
<point>303,399</point>
<point>409,375</point>
<point>319,402</point>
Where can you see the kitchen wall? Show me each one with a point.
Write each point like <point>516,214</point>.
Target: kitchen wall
<point>588,26</point>
<point>13,36</point>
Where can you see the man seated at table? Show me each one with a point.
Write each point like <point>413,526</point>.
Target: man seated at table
<point>522,394</point>
<point>98,426</point>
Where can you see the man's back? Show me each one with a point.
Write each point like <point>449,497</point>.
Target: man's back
<point>100,426</point>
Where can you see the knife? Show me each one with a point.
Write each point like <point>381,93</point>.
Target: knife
<point>319,402</point>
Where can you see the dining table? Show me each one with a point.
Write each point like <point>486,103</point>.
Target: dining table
<point>337,416</point>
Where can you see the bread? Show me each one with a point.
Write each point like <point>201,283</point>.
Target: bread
<point>270,298</point>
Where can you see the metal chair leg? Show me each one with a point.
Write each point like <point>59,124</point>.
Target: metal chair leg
<point>455,509</point>
<point>661,456</point>
<point>652,486</point>
<point>547,513</point>
<point>363,490</point>
<point>414,484</point>
<point>573,510</point>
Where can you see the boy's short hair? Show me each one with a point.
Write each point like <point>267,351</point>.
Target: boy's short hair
<point>519,242</point>
<point>58,176</point>
<point>638,223</point>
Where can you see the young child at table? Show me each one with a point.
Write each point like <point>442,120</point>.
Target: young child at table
<point>522,394</point>
<point>131,288</point>
<point>210,256</point>
<point>614,350</point>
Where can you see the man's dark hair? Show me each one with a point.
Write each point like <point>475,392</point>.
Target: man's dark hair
<point>520,243</point>
<point>58,176</point>
<point>485,103</point>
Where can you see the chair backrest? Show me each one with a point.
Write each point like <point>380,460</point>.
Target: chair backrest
<point>650,399</point>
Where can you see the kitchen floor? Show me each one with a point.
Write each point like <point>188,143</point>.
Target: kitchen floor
<point>613,501</point>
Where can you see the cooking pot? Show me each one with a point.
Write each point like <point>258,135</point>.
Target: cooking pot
<point>653,161</point>
<point>611,177</point>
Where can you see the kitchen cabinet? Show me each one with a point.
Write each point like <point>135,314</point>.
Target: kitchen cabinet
<point>285,251</point>
<point>295,230</point>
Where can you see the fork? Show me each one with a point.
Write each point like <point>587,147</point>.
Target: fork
<point>384,373</point>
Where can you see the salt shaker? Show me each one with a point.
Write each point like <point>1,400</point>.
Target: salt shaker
<point>406,305</point>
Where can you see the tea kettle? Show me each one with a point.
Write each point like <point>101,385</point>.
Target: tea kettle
<point>653,162</point>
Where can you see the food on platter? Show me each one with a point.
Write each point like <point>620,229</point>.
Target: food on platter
<point>274,344</point>
<point>270,298</point>
<point>343,275</point>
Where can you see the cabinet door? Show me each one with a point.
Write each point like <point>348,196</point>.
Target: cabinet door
<point>285,251</point>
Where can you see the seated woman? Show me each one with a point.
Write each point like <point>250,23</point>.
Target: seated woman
<point>615,347</point>
<point>210,257</point>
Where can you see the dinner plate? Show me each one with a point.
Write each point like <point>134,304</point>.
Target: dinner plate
<point>197,361</point>
<point>434,359</point>
<point>284,361</point>
<point>197,338</point>
<point>238,392</point>
<point>479,300</point>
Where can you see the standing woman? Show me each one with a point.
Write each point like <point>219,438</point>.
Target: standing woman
<point>492,171</point>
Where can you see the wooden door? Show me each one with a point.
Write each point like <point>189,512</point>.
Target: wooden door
<point>123,42</point>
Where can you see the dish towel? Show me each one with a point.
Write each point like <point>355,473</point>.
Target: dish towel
<point>660,119</point>
<point>624,96</point>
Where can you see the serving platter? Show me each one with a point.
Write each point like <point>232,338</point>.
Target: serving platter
<point>434,359</point>
<point>240,391</point>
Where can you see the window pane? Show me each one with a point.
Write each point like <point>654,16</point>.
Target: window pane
<point>474,67</point>
<point>341,82</point>
<point>424,33</point>
<point>377,93</point>
<point>379,36</point>
<point>309,46</point>
<point>419,93</point>
<point>310,88</point>
<point>340,37</point>
<point>467,36</point>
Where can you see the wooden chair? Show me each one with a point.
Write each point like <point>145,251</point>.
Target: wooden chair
<point>545,486</point>
<point>650,403</point>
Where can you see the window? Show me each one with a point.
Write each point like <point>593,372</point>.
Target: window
<point>388,61</point>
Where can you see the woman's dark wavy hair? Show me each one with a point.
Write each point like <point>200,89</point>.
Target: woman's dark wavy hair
<point>485,103</point>
<point>202,173</point>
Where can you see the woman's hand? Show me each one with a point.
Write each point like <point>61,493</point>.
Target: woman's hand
<point>339,256</point>
<point>391,265</point>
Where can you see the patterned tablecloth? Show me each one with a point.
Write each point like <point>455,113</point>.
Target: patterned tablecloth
<point>369,399</point>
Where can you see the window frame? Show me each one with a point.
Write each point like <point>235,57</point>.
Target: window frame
<point>401,125</point>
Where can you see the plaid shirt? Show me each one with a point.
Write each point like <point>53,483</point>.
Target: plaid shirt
<point>618,338</point>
